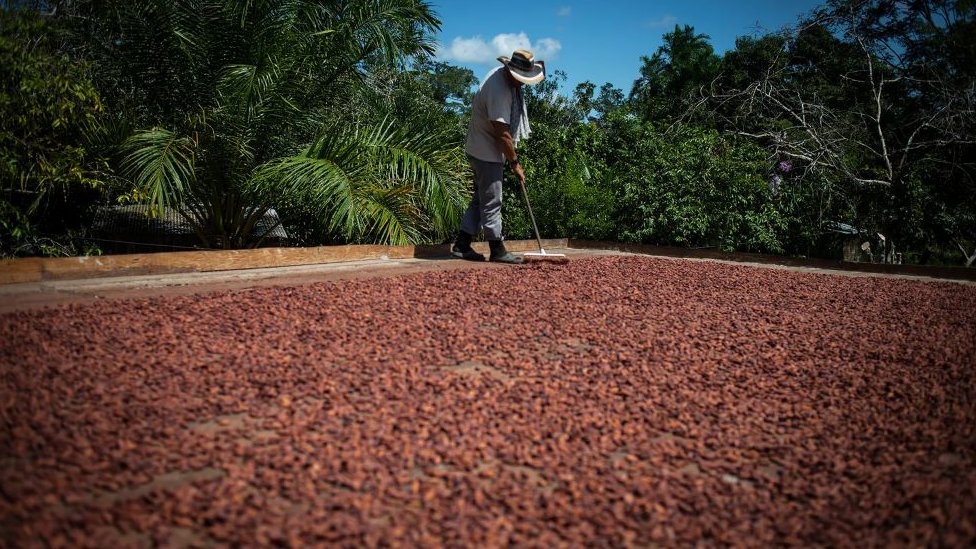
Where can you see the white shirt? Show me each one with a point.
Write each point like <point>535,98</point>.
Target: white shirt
<point>493,102</point>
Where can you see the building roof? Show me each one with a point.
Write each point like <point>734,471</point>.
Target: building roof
<point>136,221</point>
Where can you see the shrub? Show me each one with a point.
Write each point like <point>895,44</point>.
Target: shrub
<point>695,188</point>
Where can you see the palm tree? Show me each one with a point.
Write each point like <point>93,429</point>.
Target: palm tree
<point>680,67</point>
<point>242,99</point>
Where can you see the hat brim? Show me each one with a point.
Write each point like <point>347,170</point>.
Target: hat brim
<point>536,75</point>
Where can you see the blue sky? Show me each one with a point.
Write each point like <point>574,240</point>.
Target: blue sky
<point>599,41</point>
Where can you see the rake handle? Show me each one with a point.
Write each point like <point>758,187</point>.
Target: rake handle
<point>525,195</point>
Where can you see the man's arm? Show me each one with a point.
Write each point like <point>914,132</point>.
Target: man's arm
<point>504,137</point>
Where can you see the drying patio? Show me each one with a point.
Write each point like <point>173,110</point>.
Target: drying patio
<point>620,400</point>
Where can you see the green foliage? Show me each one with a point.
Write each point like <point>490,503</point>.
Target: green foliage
<point>623,179</point>
<point>383,184</point>
<point>695,188</point>
<point>618,178</point>
<point>335,115</point>
<point>449,85</point>
<point>752,59</point>
<point>549,107</point>
<point>609,100</point>
<point>15,228</point>
<point>47,173</point>
<point>564,181</point>
<point>437,93</point>
<point>161,165</point>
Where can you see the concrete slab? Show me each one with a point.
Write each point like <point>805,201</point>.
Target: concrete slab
<point>39,294</point>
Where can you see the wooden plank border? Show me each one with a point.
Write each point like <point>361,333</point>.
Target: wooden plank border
<point>35,269</point>
<point>950,273</point>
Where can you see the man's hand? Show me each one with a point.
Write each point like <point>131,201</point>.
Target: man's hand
<point>519,172</point>
<point>507,144</point>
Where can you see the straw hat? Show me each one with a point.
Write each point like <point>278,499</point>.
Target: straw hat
<point>524,68</point>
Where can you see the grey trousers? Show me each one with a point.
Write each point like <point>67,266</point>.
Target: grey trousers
<point>484,212</point>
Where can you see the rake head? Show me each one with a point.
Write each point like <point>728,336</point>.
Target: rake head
<point>544,257</point>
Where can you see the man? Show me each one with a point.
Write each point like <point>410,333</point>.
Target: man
<point>499,120</point>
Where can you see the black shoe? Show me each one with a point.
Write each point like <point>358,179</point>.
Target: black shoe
<point>507,257</point>
<point>500,255</point>
<point>462,248</point>
<point>468,254</point>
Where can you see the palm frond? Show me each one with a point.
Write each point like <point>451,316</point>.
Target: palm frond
<point>428,162</point>
<point>383,24</point>
<point>161,164</point>
<point>317,182</point>
<point>255,91</point>
<point>376,184</point>
<point>388,215</point>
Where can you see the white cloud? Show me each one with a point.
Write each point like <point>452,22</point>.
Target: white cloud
<point>477,50</point>
<point>665,21</point>
<point>547,48</point>
<point>466,50</point>
<point>505,44</point>
<point>564,11</point>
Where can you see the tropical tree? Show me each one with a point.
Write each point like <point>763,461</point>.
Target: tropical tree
<point>675,75</point>
<point>872,101</point>
<point>436,92</point>
<point>608,100</point>
<point>235,93</point>
<point>450,85</point>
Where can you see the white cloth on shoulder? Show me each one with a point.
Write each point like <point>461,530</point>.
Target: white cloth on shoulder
<point>519,125</point>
